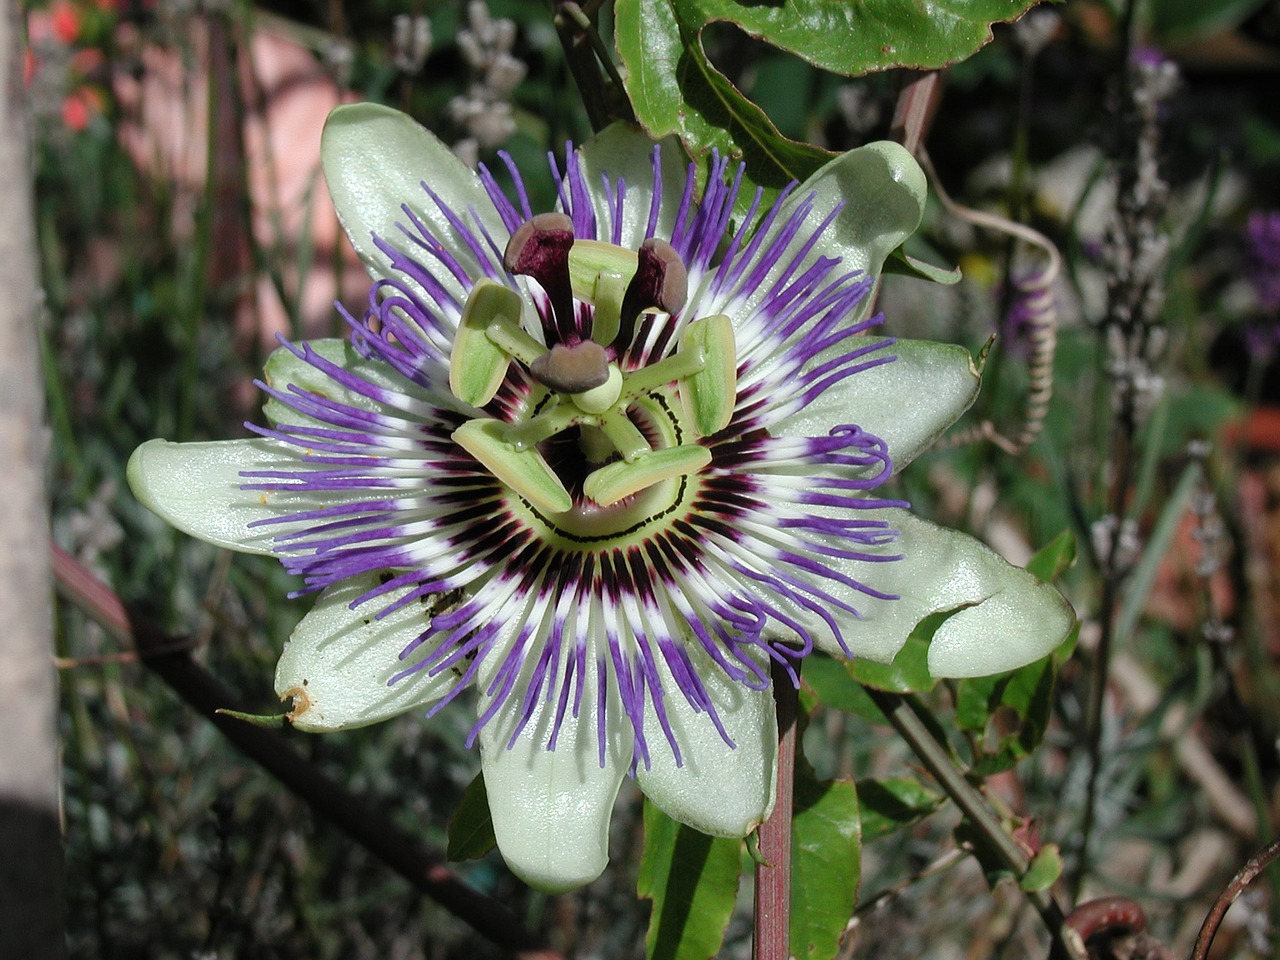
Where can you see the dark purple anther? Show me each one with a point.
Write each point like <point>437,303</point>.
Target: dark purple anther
<point>540,249</point>
<point>661,281</point>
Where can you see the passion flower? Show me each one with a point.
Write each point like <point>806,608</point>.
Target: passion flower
<point>603,464</point>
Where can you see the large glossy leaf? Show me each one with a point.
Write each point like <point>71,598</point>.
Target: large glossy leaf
<point>692,880</point>
<point>826,853</point>
<point>675,89</point>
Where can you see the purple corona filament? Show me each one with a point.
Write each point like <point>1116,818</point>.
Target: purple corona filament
<point>737,559</point>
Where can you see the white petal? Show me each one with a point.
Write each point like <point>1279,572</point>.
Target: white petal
<point>339,662</point>
<point>721,790</point>
<point>1012,618</point>
<point>376,159</point>
<point>551,808</point>
<point>196,488</point>
<point>284,368</point>
<point>908,403</point>
<point>883,192</point>
<point>623,152</point>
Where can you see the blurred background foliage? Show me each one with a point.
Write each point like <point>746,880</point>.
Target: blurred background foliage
<point>183,225</point>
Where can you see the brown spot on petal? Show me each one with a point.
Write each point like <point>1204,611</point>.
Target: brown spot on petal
<point>301,702</point>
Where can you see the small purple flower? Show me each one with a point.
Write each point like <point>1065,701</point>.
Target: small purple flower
<point>1262,234</point>
<point>604,465</point>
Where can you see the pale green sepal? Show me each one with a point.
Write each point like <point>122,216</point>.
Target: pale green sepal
<point>284,368</point>
<point>624,152</point>
<point>721,790</point>
<point>908,403</point>
<point>551,808</point>
<point>338,664</point>
<point>709,396</point>
<point>1005,617</point>
<point>882,191</point>
<point>376,159</point>
<point>620,479</point>
<point>524,471</point>
<point>477,365</point>
<point>196,488</point>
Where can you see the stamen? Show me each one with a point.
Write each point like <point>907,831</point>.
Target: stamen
<point>625,436</point>
<point>611,483</point>
<point>477,365</point>
<point>540,249</point>
<point>574,369</point>
<point>709,396</point>
<point>524,471</point>
<point>600,273</point>
<point>661,281</point>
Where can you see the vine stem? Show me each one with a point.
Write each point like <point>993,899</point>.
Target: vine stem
<point>903,713</point>
<point>773,876</point>
<point>1209,929</point>
<point>355,816</point>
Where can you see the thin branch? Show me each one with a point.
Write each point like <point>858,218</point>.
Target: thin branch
<point>358,818</point>
<point>773,876</point>
<point>1209,929</point>
<point>586,54</point>
<point>901,712</point>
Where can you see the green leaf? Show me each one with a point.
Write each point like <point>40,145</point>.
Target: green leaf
<point>890,805</point>
<point>1044,870</point>
<point>909,671</point>
<point>1054,558</point>
<point>826,863</point>
<point>833,687</point>
<point>856,37</point>
<point>692,880</point>
<point>1009,713</point>
<point>471,827</point>
<point>674,89</point>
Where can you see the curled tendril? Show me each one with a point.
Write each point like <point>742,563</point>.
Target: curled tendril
<point>1038,312</point>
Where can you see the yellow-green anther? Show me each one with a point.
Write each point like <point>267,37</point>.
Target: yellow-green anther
<point>515,340</point>
<point>683,363</point>
<point>477,365</point>
<point>709,396</point>
<point>610,289</point>
<point>590,258</point>
<point>601,398</point>
<point>545,425</point>
<point>611,483</point>
<point>524,471</point>
<point>624,435</point>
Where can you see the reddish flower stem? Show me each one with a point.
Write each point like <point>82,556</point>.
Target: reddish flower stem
<point>773,877</point>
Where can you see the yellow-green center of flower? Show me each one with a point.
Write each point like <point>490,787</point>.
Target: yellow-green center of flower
<point>625,420</point>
